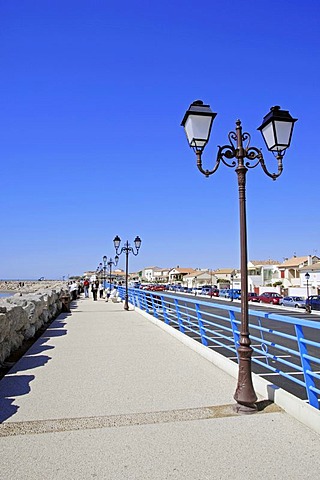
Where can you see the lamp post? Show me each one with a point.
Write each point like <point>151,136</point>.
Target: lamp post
<point>110,263</point>
<point>231,276</point>
<point>308,307</point>
<point>127,249</point>
<point>105,258</point>
<point>99,270</point>
<point>276,129</point>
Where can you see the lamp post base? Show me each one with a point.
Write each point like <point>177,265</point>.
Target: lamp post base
<point>245,395</point>
<point>245,409</point>
<point>126,304</point>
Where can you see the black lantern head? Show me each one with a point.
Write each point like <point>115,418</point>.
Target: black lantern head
<point>105,259</point>
<point>116,260</point>
<point>197,123</point>
<point>307,276</point>
<point>276,129</point>
<point>137,242</point>
<point>116,242</point>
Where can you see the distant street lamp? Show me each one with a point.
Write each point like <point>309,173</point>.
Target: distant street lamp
<point>231,276</point>
<point>308,306</point>
<point>105,258</point>
<point>110,263</point>
<point>276,129</point>
<point>99,270</point>
<point>127,249</point>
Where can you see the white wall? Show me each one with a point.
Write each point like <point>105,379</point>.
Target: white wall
<point>301,291</point>
<point>269,289</point>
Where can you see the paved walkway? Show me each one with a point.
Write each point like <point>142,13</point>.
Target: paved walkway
<point>106,394</point>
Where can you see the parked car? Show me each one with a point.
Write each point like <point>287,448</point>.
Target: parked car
<point>270,297</point>
<point>224,292</point>
<point>234,293</point>
<point>296,302</point>
<point>214,292</point>
<point>187,290</point>
<point>159,288</point>
<point>253,297</point>
<point>197,290</point>
<point>205,290</point>
<point>144,286</point>
<point>313,301</point>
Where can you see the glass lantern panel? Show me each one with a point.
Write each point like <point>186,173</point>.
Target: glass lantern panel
<point>283,130</point>
<point>198,130</point>
<point>268,136</point>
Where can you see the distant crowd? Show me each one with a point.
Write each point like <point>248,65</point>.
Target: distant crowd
<point>91,287</point>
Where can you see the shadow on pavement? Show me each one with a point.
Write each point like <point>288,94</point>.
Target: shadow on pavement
<point>10,388</point>
<point>14,385</point>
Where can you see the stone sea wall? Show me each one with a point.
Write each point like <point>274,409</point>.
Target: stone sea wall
<point>22,314</point>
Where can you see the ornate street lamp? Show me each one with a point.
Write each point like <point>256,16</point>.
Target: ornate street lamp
<point>127,249</point>
<point>110,263</point>
<point>231,276</point>
<point>308,306</point>
<point>105,258</point>
<point>276,129</point>
<point>99,270</point>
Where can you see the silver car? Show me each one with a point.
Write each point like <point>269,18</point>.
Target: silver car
<point>296,302</point>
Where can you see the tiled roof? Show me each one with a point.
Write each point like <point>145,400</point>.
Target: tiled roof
<point>294,261</point>
<point>311,268</point>
<point>198,273</point>
<point>183,270</point>
<point>224,271</point>
<point>264,262</point>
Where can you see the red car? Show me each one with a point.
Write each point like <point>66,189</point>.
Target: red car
<point>253,297</point>
<point>214,292</point>
<point>270,297</point>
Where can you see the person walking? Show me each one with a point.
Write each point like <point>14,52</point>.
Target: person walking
<point>101,289</point>
<point>107,294</point>
<point>94,289</point>
<point>86,288</point>
<point>74,290</point>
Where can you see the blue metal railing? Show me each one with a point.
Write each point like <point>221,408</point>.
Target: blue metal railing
<point>284,346</point>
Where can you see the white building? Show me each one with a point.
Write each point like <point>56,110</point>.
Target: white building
<point>262,273</point>
<point>291,267</point>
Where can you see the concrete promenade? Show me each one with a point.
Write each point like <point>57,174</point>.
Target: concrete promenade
<point>106,394</point>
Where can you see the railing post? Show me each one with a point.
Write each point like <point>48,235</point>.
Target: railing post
<point>155,313</point>
<point>264,347</point>
<point>139,299</point>
<point>165,313</point>
<point>180,321</point>
<point>305,363</point>
<point>145,302</point>
<point>135,297</point>
<point>201,326</point>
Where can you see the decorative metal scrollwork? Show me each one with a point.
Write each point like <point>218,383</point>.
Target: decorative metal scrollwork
<point>238,148</point>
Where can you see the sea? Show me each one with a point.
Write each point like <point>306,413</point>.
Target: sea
<point>4,295</point>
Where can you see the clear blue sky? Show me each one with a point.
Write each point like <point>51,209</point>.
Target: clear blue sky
<point>92,94</point>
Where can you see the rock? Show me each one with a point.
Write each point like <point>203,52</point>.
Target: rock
<point>21,315</point>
